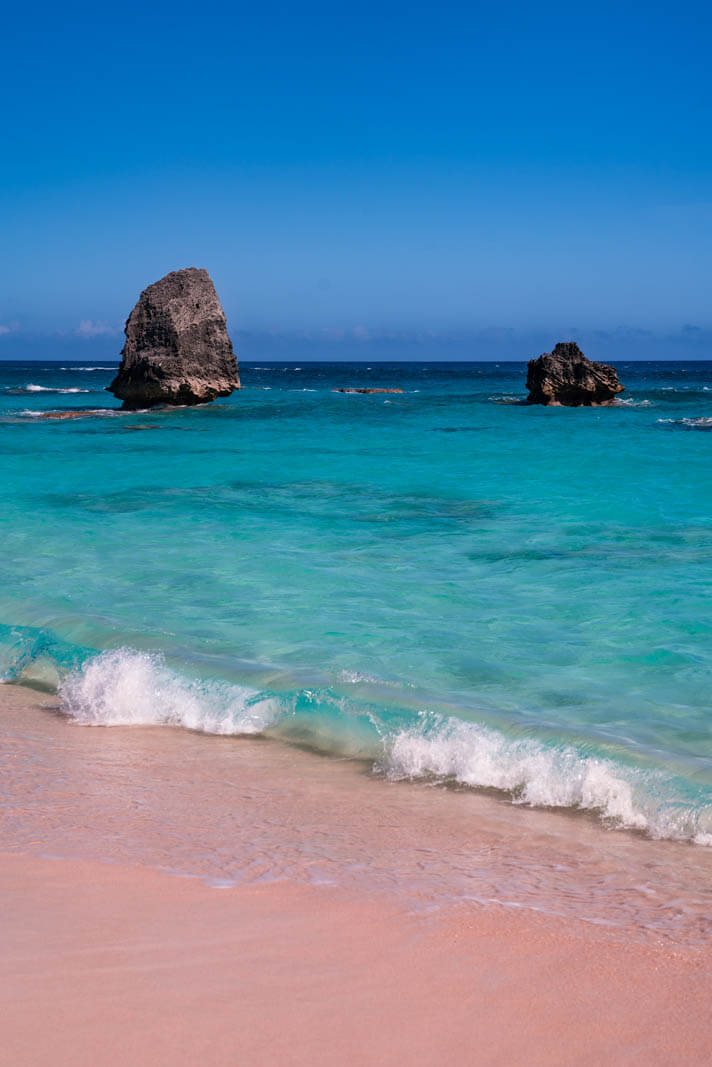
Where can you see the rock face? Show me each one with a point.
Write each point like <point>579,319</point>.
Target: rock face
<point>565,377</point>
<point>177,349</point>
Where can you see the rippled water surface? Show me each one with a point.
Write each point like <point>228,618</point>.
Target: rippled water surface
<point>444,581</point>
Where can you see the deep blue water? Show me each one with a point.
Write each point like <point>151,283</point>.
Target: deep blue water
<point>444,581</point>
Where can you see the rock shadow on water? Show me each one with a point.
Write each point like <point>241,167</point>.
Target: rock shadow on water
<point>409,511</point>
<point>112,502</point>
<point>342,504</point>
<point>457,429</point>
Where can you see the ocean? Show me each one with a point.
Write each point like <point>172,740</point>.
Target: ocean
<point>444,584</point>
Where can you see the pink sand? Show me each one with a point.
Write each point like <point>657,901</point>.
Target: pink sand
<point>112,962</point>
<point>108,965</point>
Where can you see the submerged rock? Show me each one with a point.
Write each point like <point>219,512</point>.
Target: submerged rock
<point>367,390</point>
<point>177,348</point>
<point>565,377</point>
<point>66,414</point>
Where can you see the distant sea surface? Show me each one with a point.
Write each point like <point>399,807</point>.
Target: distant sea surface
<point>445,583</point>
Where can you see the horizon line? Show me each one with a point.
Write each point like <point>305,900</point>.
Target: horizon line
<point>332,362</point>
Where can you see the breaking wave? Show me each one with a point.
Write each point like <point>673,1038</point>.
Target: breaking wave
<point>130,688</point>
<point>550,776</point>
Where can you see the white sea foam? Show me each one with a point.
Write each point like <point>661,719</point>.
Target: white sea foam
<point>31,388</point>
<point>107,369</point>
<point>546,776</point>
<point>46,413</point>
<point>130,688</point>
<point>631,403</point>
<point>357,677</point>
<point>702,422</point>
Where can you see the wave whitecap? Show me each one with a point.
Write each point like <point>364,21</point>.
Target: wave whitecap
<point>24,390</point>
<point>128,688</point>
<point>551,776</point>
<point>701,422</point>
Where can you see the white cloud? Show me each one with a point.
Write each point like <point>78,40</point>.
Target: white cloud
<point>5,329</point>
<point>89,328</point>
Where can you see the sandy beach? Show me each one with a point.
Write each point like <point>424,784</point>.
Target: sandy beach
<point>122,963</point>
<point>105,964</point>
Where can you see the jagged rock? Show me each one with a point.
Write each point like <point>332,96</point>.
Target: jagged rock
<point>177,349</point>
<point>367,390</point>
<point>565,377</point>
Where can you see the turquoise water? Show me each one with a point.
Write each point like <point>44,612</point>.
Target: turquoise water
<point>442,581</point>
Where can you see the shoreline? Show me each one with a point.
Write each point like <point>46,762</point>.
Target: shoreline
<point>345,929</point>
<point>237,810</point>
<point>232,810</point>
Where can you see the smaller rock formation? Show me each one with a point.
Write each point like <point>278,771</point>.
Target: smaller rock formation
<point>367,390</point>
<point>177,348</point>
<point>565,377</point>
<point>66,414</point>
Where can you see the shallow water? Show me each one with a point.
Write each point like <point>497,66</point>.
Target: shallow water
<point>236,811</point>
<point>444,582</point>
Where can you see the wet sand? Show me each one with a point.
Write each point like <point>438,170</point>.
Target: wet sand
<point>111,965</point>
<point>340,936</point>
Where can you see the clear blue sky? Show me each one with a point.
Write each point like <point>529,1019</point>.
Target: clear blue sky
<point>350,175</point>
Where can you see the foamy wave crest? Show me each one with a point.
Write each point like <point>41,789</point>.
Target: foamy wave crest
<point>129,688</point>
<point>702,422</point>
<point>540,775</point>
<point>23,390</point>
<point>107,369</point>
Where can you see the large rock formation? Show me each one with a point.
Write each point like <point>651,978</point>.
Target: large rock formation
<point>566,377</point>
<point>177,349</point>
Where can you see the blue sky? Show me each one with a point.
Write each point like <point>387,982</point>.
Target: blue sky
<point>443,179</point>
